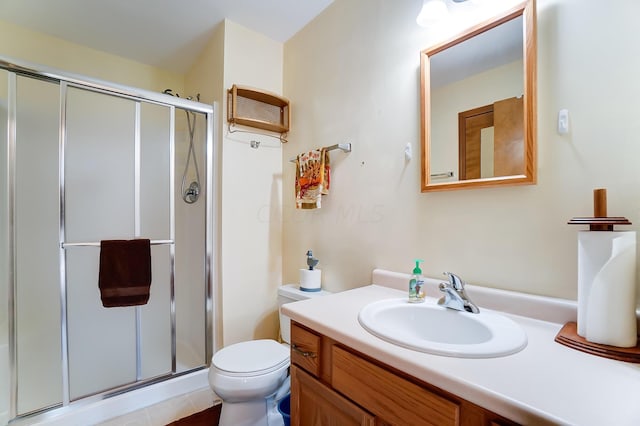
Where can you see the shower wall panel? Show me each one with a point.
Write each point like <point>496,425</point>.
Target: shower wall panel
<point>190,244</point>
<point>37,248</point>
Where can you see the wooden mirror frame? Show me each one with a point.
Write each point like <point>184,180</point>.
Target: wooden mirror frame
<point>528,12</point>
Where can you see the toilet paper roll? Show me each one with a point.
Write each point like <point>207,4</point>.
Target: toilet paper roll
<point>310,279</point>
<point>607,287</point>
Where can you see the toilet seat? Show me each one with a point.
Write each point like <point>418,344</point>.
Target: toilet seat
<point>251,358</point>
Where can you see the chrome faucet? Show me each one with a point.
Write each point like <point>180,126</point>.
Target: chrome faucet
<point>455,297</point>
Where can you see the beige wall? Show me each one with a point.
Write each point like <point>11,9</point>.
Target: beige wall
<point>38,48</point>
<point>352,74</point>
<point>251,197</point>
<point>205,76</point>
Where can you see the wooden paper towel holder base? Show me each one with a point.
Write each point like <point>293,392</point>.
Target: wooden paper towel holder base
<point>568,336</point>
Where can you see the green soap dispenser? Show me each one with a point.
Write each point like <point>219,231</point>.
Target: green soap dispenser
<point>416,284</point>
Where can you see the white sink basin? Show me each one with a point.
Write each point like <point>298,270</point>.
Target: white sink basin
<point>427,327</point>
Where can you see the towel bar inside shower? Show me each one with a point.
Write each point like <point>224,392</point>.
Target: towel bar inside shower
<point>344,147</point>
<point>97,243</point>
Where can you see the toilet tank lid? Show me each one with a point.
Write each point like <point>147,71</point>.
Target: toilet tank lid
<point>251,357</point>
<point>293,291</point>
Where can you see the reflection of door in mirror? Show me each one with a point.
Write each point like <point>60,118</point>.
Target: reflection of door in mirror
<point>508,152</point>
<point>491,139</point>
<point>472,125</point>
<point>494,60</point>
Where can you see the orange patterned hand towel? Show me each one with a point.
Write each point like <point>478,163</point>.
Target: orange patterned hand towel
<point>313,177</point>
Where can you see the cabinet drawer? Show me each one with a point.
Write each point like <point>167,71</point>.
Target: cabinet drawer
<point>389,397</point>
<point>305,349</point>
<point>313,403</point>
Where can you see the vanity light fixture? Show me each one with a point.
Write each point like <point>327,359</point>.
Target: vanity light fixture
<point>432,11</point>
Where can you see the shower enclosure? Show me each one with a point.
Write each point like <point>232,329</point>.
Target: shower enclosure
<point>84,161</point>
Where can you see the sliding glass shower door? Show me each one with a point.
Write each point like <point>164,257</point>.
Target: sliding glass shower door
<point>116,186</point>
<point>81,164</point>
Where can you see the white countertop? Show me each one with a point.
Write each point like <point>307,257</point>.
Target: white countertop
<point>545,383</point>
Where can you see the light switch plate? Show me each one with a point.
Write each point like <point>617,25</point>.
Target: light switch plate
<point>563,121</point>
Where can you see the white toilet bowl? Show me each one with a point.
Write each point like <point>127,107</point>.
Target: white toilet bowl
<point>245,375</point>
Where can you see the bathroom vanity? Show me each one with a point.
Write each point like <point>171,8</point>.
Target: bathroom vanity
<point>332,383</point>
<point>343,373</point>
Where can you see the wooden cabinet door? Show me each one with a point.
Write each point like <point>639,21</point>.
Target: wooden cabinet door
<point>314,404</point>
<point>388,396</point>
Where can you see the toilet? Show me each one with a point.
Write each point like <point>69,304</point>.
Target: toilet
<point>250,377</point>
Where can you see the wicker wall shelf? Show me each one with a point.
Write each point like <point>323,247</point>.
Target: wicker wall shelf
<point>257,108</point>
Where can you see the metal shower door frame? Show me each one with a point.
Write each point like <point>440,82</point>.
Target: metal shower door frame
<point>139,96</point>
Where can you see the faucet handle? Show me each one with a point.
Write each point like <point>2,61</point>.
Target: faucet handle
<point>455,281</point>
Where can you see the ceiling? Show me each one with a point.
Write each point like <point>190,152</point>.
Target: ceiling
<point>168,34</point>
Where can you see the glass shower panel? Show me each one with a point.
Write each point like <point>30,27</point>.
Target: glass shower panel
<point>37,245</point>
<point>155,325</point>
<point>100,204</point>
<point>99,167</point>
<point>4,253</point>
<point>155,209</point>
<point>155,168</point>
<point>190,246</point>
<point>102,342</point>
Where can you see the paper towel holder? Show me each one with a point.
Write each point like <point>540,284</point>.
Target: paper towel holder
<point>600,221</point>
<point>568,335</point>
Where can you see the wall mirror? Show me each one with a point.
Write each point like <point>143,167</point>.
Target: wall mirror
<point>478,99</point>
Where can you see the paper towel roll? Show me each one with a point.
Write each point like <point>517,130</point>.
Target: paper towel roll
<point>310,279</point>
<point>607,287</point>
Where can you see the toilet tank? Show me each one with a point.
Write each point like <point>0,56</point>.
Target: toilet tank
<point>291,293</point>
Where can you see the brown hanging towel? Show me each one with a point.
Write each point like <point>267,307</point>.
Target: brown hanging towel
<point>125,272</point>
